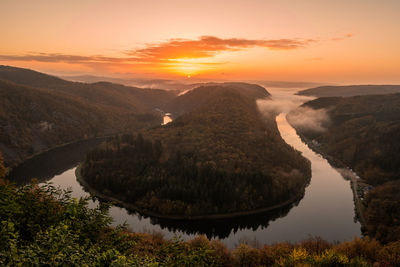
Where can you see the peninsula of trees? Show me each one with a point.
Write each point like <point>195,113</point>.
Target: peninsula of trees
<point>219,157</point>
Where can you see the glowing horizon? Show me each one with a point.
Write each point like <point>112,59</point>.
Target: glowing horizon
<point>339,41</point>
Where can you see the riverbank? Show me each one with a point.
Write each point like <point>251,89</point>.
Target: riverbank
<point>50,149</point>
<point>50,162</point>
<point>340,165</point>
<point>231,215</point>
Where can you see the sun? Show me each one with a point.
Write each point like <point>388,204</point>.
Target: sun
<point>187,67</point>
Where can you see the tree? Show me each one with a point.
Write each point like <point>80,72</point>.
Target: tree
<point>2,168</point>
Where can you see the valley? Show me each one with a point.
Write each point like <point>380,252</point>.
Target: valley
<point>200,133</point>
<point>320,212</point>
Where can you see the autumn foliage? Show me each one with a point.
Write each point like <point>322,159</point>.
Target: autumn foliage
<point>221,157</point>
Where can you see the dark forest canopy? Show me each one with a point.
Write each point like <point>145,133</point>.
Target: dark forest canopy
<point>221,157</point>
<point>38,111</point>
<point>350,90</point>
<point>363,132</point>
<point>206,92</point>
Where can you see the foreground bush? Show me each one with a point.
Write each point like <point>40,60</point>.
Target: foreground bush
<point>45,226</point>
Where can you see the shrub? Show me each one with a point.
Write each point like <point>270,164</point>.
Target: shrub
<point>244,255</point>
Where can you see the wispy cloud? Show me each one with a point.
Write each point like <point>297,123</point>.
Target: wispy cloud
<point>56,57</point>
<point>343,37</point>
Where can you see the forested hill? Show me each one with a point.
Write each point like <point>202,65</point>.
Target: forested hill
<point>39,111</point>
<point>364,133</point>
<point>221,157</point>
<point>104,94</point>
<point>32,120</point>
<point>206,92</point>
<point>350,90</point>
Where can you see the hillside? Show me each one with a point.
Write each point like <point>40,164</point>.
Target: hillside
<point>350,90</point>
<point>363,133</point>
<point>39,111</point>
<point>32,120</point>
<point>221,157</point>
<point>103,94</point>
<point>208,91</point>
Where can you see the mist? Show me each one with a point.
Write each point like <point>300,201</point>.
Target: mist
<point>308,119</point>
<point>303,118</point>
<point>283,100</point>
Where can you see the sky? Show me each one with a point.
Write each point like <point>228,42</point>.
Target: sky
<point>332,41</point>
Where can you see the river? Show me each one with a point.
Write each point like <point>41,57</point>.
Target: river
<point>326,210</point>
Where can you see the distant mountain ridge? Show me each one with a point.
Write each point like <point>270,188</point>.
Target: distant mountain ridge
<point>350,90</point>
<point>183,83</point>
<point>102,93</point>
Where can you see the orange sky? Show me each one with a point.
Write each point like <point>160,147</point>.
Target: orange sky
<point>335,41</point>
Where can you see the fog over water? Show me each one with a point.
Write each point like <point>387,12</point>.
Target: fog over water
<point>326,210</point>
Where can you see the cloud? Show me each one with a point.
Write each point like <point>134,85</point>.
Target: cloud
<point>308,119</point>
<point>173,51</point>
<point>343,37</point>
<point>56,57</point>
<point>209,46</point>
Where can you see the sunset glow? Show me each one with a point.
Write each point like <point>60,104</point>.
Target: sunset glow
<point>236,40</point>
<point>200,132</point>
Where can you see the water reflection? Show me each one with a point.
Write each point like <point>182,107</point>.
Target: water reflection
<point>167,118</point>
<point>217,228</point>
<point>223,228</point>
<point>54,162</point>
